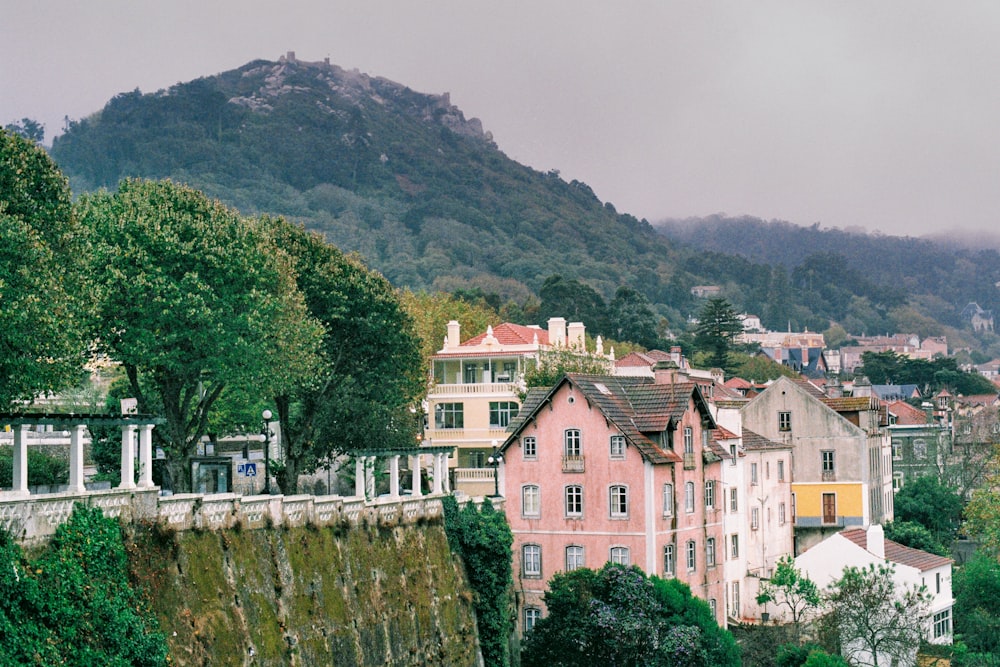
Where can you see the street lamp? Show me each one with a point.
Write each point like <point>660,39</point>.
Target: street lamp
<point>265,430</point>
<point>495,459</point>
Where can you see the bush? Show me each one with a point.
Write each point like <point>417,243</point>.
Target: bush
<point>43,469</point>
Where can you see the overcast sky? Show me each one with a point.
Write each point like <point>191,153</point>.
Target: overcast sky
<point>881,115</point>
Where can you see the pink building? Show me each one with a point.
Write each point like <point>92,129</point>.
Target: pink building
<point>620,469</point>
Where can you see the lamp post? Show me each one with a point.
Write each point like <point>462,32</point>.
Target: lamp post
<point>266,432</point>
<point>495,459</point>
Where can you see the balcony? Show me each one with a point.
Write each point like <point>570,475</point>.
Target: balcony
<point>829,476</point>
<point>475,389</point>
<point>689,461</point>
<point>572,464</point>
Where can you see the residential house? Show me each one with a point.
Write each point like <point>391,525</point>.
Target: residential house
<point>619,469</point>
<point>474,391</point>
<point>840,456</point>
<point>859,547</point>
<point>920,444</point>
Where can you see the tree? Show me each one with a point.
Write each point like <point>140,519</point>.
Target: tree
<point>44,317</point>
<point>717,328</point>
<point>915,536</point>
<point>29,129</point>
<point>619,616</point>
<point>193,298</point>
<point>431,313</point>
<point>630,318</point>
<point>976,586</point>
<point>933,505</point>
<point>553,364</point>
<point>982,514</point>
<point>362,394</point>
<point>575,301</point>
<point>788,587</point>
<point>878,622</point>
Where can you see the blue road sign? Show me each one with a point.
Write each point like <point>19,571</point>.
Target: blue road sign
<point>247,469</point>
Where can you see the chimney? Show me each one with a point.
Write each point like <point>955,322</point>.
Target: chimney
<point>833,387</point>
<point>862,386</point>
<point>675,355</point>
<point>557,331</point>
<point>665,372</point>
<point>577,338</point>
<point>454,335</point>
<point>876,540</point>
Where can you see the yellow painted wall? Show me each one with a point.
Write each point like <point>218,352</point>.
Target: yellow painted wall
<point>809,499</point>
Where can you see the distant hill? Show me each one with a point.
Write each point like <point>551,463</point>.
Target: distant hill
<point>426,197</point>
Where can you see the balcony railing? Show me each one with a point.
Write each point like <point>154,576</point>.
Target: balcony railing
<point>829,476</point>
<point>474,388</point>
<point>572,463</point>
<point>689,461</point>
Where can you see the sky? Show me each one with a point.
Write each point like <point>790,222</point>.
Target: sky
<point>883,116</point>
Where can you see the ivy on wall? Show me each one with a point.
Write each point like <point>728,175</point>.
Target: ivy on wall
<point>482,537</point>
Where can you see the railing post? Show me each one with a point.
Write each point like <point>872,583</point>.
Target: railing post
<point>76,484</point>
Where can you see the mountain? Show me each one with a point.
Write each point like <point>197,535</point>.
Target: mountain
<point>425,195</point>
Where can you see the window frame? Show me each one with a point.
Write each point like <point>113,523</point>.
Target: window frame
<point>734,499</point>
<point>668,499</point>
<point>781,470</point>
<point>828,461</point>
<point>689,498</point>
<point>616,447</point>
<point>620,555</point>
<point>572,442</point>
<point>734,546</point>
<point>618,505</point>
<point>710,494</point>
<point>529,448</point>
<point>574,557</point>
<point>691,556</point>
<point>449,416</point>
<point>754,518</point>
<point>781,514</point>
<point>669,560</point>
<point>536,507</point>
<point>784,421</point>
<point>754,474</point>
<point>688,440</point>
<point>534,559</point>
<point>710,552</point>
<point>942,623</point>
<point>532,615</point>
<point>573,501</point>
<point>503,413</point>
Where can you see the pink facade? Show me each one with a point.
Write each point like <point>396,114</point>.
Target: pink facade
<point>616,469</point>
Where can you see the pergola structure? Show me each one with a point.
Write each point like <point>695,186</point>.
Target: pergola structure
<point>76,424</point>
<point>364,479</point>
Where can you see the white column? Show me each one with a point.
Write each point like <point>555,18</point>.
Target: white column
<point>128,458</point>
<point>445,477</point>
<point>145,456</point>
<point>501,472</point>
<point>370,478</point>
<point>436,472</point>
<point>76,459</point>
<point>20,472</point>
<point>394,476</point>
<point>359,477</point>
<point>415,487</point>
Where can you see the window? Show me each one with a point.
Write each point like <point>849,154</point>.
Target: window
<point>574,557</point>
<point>920,449</point>
<point>784,421</point>
<point>754,518</point>
<point>897,481</point>
<point>767,470</point>
<point>668,560</point>
<point>781,514</point>
<point>829,508</point>
<point>531,500</point>
<point>619,502</point>
<point>734,546</point>
<point>572,443</point>
<point>710,552</point>
<point>942,623</point>
<point>530,447</point>
<point>531,560</point>
<point>531,616</point>
<point>620,556</point>
<point>753,473</point>
<point>828,462</point>
<point>691,555</point>
<point>618,446</point>
<point>732,454</point>
<point>734,599</point>
<point>501,412</point>
<point>449,415</point>
<point>781,470</point>
<point>668,499</point>
<point>713,606</point>
<point>688,440</point>
<point>470,373</point>
<point>689,497</point>
<point>897,450</point>
<point>937,582</point>
<point>574,501</point>
<point>734,499</point>
<point>710,494</point>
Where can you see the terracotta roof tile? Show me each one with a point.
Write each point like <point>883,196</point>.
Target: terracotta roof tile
<point>906,414</point>
<point>897,553</point>
<point>512,334</point>
<point>755,442</point>
<point>850,403</point>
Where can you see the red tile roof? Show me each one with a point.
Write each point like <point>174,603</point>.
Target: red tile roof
<point>737,383</point>
<point>906,414</point>
<point>513,334</point>
<point>755,442</point>
<point>897,553</point>
<point>849,403</point>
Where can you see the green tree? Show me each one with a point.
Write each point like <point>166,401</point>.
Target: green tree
<point>758,367</point>
<point>717,328</point>
<point>915,536</point>
<point>619,616</point>
<point>788,587</point>
<point>553,364</point>
<point>361,394</point>
<point>932,504</point>
<point>878,622</point>
<point>193,299</point>
<point>575,301</point>
<point>29,129</point>
<point>976,585</point>
<point>431,312</point>
<point>630,318</point>
<point>44,317</point>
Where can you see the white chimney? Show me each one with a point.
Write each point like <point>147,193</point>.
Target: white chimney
<point>454,334</point>
<point>577,336</point>
<point>876,540</point>
<point>557,331</point>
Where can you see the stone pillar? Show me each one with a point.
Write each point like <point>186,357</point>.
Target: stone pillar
<point>359,477</point>
<point>445,477</point>
<point>76,459</point>
<point>145,456</point>
<point>20,472</point>
<point>370,478</point>
<point>128,458</point>
<point>436,467</point>
<point>415,487</point>
<point>394,476</point>
<point>501,472</point>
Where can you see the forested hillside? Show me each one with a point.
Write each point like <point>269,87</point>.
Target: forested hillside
<point>427,198</point>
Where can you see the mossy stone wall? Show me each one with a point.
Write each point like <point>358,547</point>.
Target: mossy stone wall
<point>364,595</point>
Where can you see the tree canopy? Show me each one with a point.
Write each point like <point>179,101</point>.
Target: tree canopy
<point>193,298</point>
<point>976,585</point>
<point>44,324</point>
<point>716,331</point>
<point>789,588</point>
<point>929,375</point>
<point>619,616</point>
<point>930,503</point>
